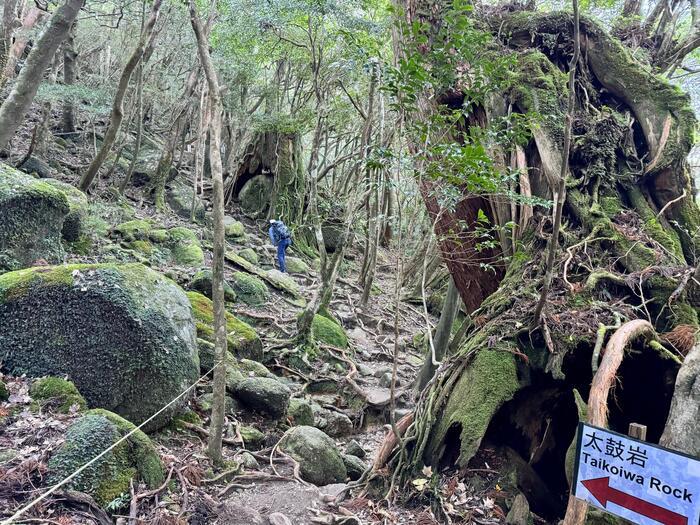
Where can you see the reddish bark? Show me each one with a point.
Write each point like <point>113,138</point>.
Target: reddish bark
<point>458,246</point>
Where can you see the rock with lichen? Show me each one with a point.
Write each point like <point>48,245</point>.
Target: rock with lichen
<point>327,332</point>
<point>264,394</point>
<point>202,283</point>
<point>32,215</point>
<point>179,246</point>
<point>110,476</point>
<point>250,289</point>
<point>319,460</point>
<point>123,334</point>
<point>56,393</point>
<point>243,341</point>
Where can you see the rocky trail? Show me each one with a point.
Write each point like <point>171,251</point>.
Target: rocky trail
<point>339,402</point>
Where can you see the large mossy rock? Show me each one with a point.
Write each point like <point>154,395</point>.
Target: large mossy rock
<point>319,460</point>
<point>250,289</point>
<point>124,334</point>
<point>110,476</point>
<point>255,195</point>
<point>32,214</point>
<point>328,332</point>
<point>243,340</point>
<point>73,227</point>
<point>179,197</point>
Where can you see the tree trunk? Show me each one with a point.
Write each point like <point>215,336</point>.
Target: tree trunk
<point>9,21</point>
<point>625,254</point>
<point>17,104</point>
<point>30,18</point>
<point>70,57</point>
<point>117,114</point>
<point>681,431</point>
<point>215,123</point>
<point>441,341</point>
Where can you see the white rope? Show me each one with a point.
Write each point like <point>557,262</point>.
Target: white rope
<point>60,484</point>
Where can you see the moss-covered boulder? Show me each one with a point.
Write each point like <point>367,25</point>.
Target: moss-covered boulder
<point>185,247</point>
<point>250,289</point>
<point>202,283</point>
<point>300,412</point>
<point>179,245</point>
<point>73,227</point>
<point>354,465</point>
<point>124,334</point>
<point>110,476</point>
<point>250,255</point>
<point>58,393</point>
<point>319,460</point>
<point>328,332</point>
<point>252,437</point>
<point>233,229</point>
<point>265,395</point>
<point>296,265</point>
<point>32,214</point>
<point>207,359</point>
<point>286,282</point>
<point>243,341</point>
<point>180,197</point>
<point>255,195</point>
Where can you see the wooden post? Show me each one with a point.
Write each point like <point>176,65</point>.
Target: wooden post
<point>637,431</point>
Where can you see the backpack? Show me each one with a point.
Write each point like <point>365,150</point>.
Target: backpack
<point>283,231</point>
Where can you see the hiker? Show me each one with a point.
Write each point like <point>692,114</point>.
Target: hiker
<point>280,237</point>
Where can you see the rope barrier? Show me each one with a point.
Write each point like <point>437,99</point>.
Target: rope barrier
<point>57,486</point>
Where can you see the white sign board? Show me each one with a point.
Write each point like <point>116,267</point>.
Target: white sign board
<point>638,481</point>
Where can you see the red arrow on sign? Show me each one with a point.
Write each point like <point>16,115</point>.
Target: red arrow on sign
<point>603,492</point>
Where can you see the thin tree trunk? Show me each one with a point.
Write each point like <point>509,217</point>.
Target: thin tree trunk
<point>117,115</point>
<point>14,108</point>
<point>9,21</point>
<point>561,189</point>
<point>139,130</point>
<point>441,341</point>
<point>218,404</point>
<point>70,57</point>
<point>16,49</point>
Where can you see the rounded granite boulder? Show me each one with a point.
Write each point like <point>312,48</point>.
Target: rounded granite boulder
<point>124,334</point>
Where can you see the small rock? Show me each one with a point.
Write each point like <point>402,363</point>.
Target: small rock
<point>355,466</point>
<point>4,392</point>
<point>382,370</point>
<point>249,255</point>
<point>355,449</point>
<point>233,228</point>
<point>265,395</point>
<point>296,265</point>
<point>252,437</point>
<point>205,402</point>
<point>319,459</point>
<point>337,424</point>
<point>385,380</point>
<point>364,370</point>
<point>400,413</point>
<point>234,513</point>
<point>248,461</point>
<point>519,513</point>
<point>202,283</point>
<point>300,412</point>
<point>277,518</point>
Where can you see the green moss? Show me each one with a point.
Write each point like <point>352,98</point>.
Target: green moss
<point>234,229</point>
<point>252,436</point>
<point>32,215</point>
<point>77,209</point>
<point>141,246</point>
<point>158,235</point>
<point>141,453</point>
<point>250,289</point>
<point>4,392</point>
<point>185,247</point>
<point>486,384</point>
<point>249,255</point>
<point>122,333</point>
<point>136,230</point>
<point>300,412</point>
<point>242,339</point>
<point>328,332</point>
<point>202,283</point>
<point>188,416</point>
<point>110,476</point>
<point>57,392</point>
